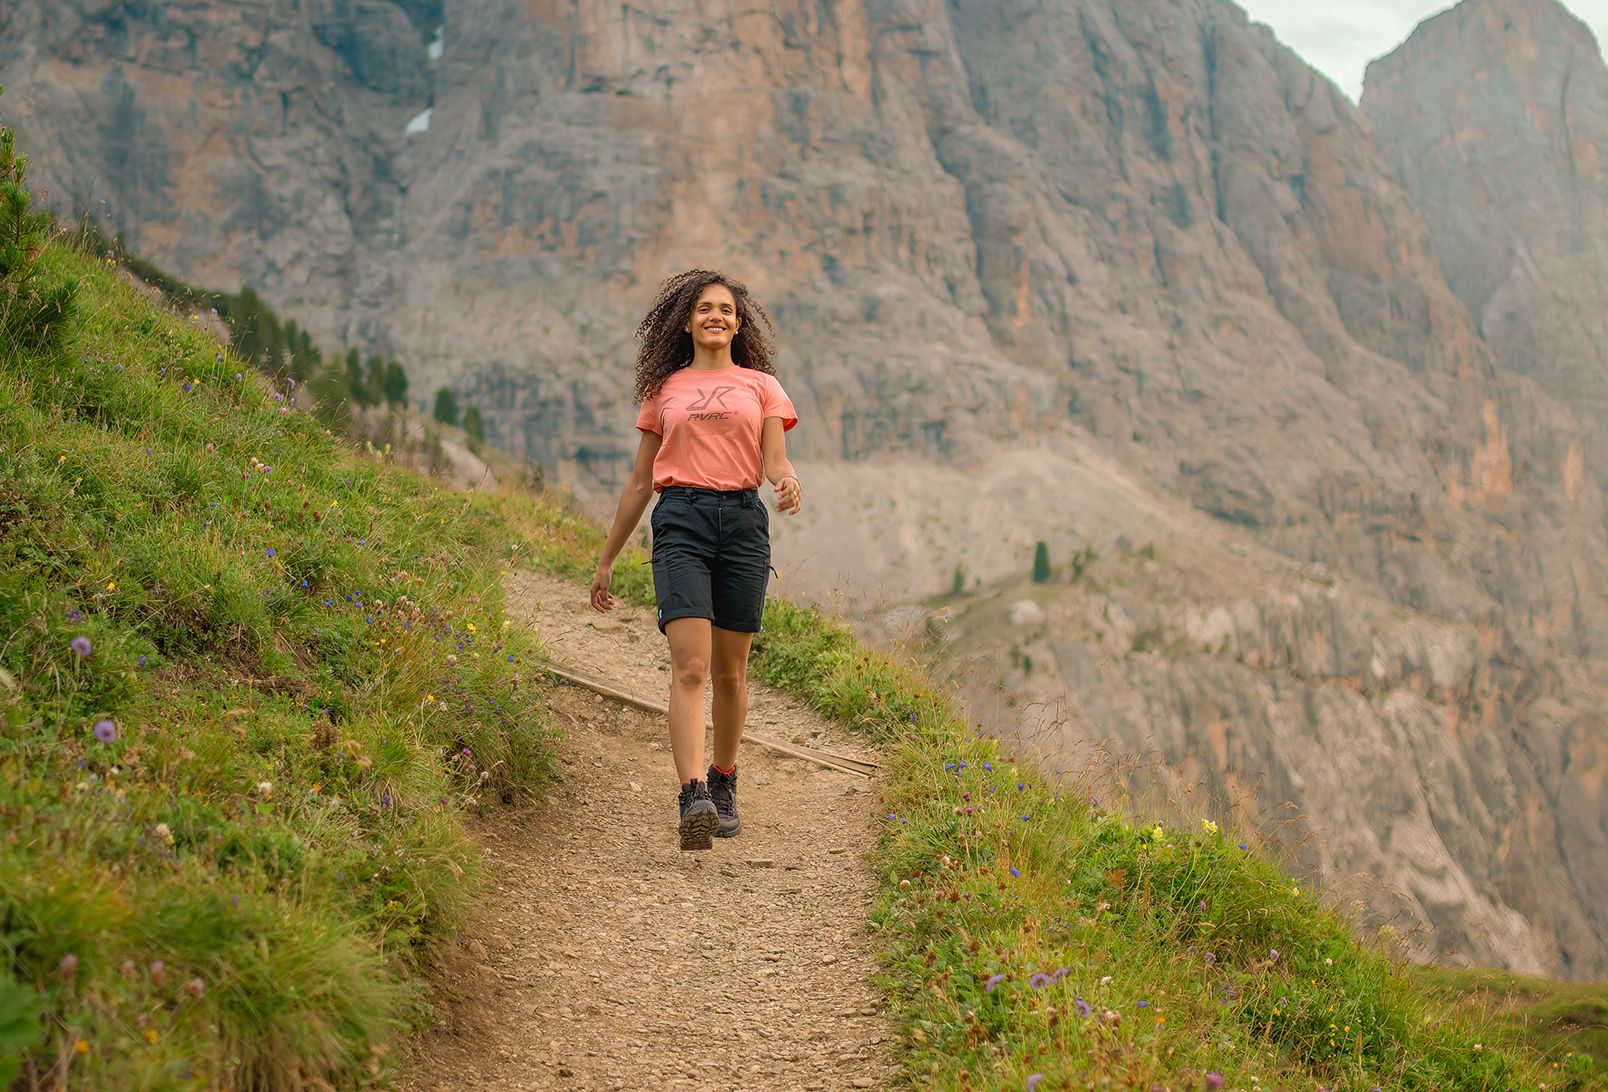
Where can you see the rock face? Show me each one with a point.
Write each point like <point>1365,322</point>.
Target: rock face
<point>1495,117</point>
<point>1074,272</point>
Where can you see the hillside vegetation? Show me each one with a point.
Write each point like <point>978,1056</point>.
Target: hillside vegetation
<point>251,680</point>
<point>248,681</point>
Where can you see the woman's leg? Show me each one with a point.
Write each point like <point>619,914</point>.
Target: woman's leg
<point>689,671</point>
<point>730,672</point>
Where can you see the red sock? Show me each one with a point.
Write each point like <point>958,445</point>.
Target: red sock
<point>728,773</point>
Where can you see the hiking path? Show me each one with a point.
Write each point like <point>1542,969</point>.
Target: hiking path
<point>604,957</point>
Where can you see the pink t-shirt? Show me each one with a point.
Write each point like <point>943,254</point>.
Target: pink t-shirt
<point>710,424</point>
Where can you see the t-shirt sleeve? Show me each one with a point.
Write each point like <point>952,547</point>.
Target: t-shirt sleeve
<point>775,403</point>
<point>649,418</point>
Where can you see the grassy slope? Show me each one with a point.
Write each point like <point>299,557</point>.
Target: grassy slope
<point>1031,934</point>
<point>304,658</point>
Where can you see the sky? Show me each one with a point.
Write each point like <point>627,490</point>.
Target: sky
<point>1339,39</point>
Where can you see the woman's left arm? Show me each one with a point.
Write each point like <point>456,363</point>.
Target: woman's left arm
<point>778,469</point>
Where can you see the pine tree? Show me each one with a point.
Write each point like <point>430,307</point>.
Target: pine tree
<point>446,407</point>
<point>374,383</point>
<point>396,384</point>
<point>959,587</point>
<point>475,428</point>
<point>1041,563</point>
<point>30,313</point>
<point>354,378</point>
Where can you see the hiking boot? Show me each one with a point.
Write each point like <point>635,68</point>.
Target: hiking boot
<point>723,791</point>
<point>698,816</point>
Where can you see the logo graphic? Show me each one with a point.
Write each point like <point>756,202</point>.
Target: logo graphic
<point>701,411</point>
<point>717,396</point>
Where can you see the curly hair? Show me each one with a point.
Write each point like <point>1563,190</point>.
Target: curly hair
<point>667,347</point>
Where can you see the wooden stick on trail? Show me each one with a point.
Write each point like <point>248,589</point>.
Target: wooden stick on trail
<point>859,767</point>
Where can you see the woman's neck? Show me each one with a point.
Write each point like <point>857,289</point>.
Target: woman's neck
<point>706,360</point>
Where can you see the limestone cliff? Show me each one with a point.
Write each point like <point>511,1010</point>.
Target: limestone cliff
<point>1043,271</point>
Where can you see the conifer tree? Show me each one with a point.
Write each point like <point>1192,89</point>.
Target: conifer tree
<point>446,407</point>
<point>475,428</point>
<point>396,384</point>
<point>374,382</point>
<point>354,378</point>
<point>1041,563</point>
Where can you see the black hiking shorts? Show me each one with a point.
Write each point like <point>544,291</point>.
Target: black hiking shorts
<point>711,556</point>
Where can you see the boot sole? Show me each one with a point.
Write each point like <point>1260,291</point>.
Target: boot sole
<point>698,829</point>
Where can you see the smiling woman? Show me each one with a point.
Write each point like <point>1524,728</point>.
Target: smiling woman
<point>712,424</point>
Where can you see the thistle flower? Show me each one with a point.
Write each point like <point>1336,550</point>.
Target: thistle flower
<point>1214,1080</point>
<point>993,981</point>
<point>80,645</point>
<point>1084,1009</point>
<point>1038,980</point>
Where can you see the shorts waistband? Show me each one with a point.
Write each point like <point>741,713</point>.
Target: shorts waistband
<point>692,492</point>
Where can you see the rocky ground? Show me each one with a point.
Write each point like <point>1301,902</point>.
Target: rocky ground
<point>605,957</point>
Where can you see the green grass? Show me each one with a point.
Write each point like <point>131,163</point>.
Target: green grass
<point>1029,931</point>
<point>304,659</point>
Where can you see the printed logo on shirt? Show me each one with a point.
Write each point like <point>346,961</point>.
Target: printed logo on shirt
<point>700,411</point>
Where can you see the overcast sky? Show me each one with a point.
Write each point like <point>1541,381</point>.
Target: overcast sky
<point>1339,39</point>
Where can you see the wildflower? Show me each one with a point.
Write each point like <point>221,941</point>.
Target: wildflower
<point>1033,1081</point>
<point>195,988</point>
<point>265,789</point>
<point>993,980</point>
<point>1273,954</point>
<point>1038,980</point>
<point>1020,786</point>
<point>1294,890</point>
<point>1242,846</point>
<point>1214,1080</point>
<point>106,730</point>
<point>270,551</point>
<point>1016,873</point>
<point>1156,833</point>
<point>151,1036</point>
<point>80,645</point>
<point>69,966</point>
<point>142,659</point>
<point>1144,1004</point>
<point>1105,980</point>
<point>158,972</point>
<point>1208,826</point>
<point>1083,1008</point>
<point>81,1047</point>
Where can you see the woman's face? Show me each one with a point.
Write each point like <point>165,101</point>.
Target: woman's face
<point>714,318</point>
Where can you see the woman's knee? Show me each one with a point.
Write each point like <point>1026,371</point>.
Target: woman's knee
<point>731,678</point>
<point>690,670</point>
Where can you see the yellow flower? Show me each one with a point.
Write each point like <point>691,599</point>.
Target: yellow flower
<point>81,1047</point>
<point>150,1036</point>
<point>429,697</point>
<point>1208,826</point>
<point>471,627</point>
<point>111,585</point>
<point>1294,890</point>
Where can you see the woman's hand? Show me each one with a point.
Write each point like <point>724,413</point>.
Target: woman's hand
<point>602,600</point>
<point>789,494</point>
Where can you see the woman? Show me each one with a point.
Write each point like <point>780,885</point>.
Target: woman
<point>712,422</point>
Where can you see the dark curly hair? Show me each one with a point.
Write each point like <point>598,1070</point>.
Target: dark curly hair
<point>667,347</point>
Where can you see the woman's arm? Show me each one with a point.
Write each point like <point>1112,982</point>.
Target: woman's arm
<point>778,469</point>
<point>634,500</point>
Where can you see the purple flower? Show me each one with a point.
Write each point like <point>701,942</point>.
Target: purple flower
<point>80,645</point>
<point>69,966</point>
<point>1144,1004</point>
<point>1033,1081</point>
<point>1242,846</point>
<point>1082,1008</point>
<point>270,551</point>
<point>1038,980</point>
<point>1273,954</point>
<point>1060,973</point>
<point>1214,1080</point>
<point>1016,873</point>
<point>142,659</point>
<point>1020,786</point>
<point>75,616</point>
<point>993,980</point>
<point>106,730</point>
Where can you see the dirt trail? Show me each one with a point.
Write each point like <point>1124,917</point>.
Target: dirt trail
<point>607,958</point>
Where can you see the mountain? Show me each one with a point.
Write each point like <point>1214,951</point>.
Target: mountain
<point>1100,273</point>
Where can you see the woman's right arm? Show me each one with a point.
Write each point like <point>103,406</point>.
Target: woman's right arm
<point>634,500</point>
